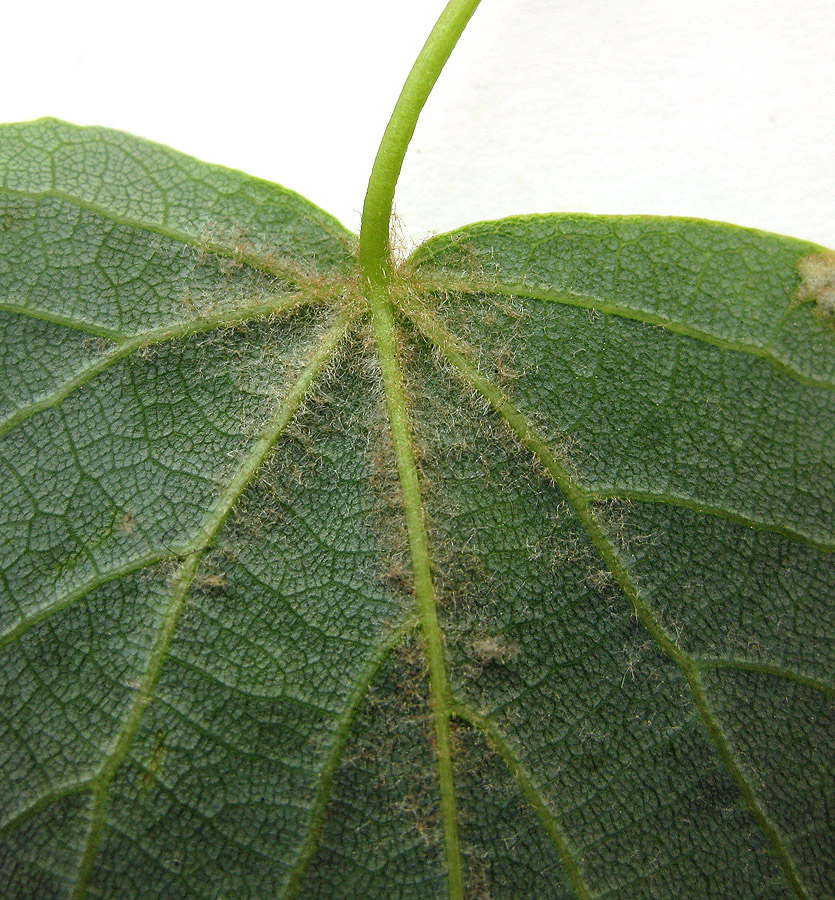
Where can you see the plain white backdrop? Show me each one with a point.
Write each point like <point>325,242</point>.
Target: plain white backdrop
<point>722,109</point>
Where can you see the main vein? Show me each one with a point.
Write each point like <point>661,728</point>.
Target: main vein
<point>439,692</point>
<point>246,471</point>
<point>455,354</point>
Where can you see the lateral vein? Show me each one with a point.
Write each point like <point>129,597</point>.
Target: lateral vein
<point>328,771</point>
<point>579,501</point>
<point>764,668</point>
<point>583,301</point>
<point>43,315</point>
<point>547,819</point>
<point>719,512</point>
<point>45,800</point>
<point>245,473</point>
<point>174,234</point>
<point>17,631</point>
<point>145,339</point>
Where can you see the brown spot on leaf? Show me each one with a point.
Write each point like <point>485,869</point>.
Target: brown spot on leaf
<point>817,274</point>
<point>210,582</point>
<point>494,649</point>
<point>126,526</point>
<point>152,766</point>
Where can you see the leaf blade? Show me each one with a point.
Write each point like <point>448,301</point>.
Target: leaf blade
<point>153,187</point>
<point>659,389</point>
<point>663,271</point>
<point>269,732</point>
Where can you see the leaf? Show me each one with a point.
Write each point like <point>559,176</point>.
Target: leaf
<point>231,668</point>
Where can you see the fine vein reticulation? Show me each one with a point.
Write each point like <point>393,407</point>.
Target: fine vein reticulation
<point>264,258</point>
<point>582,506</point>
<point>183,583</point>
<point>383,299</point>
<point>381,305</point>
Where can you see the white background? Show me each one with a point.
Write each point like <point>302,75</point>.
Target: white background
<point>723,109</point>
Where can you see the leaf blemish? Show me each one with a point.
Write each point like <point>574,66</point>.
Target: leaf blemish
<point>127,524</point>
<point>210,582</point>
<point>494,649</point>
<point>817,274</point>
<point>154,763</point>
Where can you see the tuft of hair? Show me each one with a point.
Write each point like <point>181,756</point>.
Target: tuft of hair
<point>494,649</point>
<point>209,582</point>
<point>817,282</point>
<point>127,524</point>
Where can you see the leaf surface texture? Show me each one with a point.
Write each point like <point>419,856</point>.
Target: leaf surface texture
<point>214,670</point>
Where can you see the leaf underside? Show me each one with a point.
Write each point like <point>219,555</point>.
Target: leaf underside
<point>214,674</point>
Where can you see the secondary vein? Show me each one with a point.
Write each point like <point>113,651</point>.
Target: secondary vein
<point>42,802</point>
<point>150,338</point>
<point>17,631</point>
<point>245,473</point>
<point>216,248</point>
<point>766,668</point>
<point>43,315</point>
<point>583,301</point>
<point>326,775</point>
<point>549,822</point>
<point>579,501</point>
<point>698,506</point>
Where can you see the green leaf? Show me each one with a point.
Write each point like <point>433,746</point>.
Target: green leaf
<point>529,579</point>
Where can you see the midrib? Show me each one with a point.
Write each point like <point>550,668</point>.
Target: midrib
<point>439,692</point>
